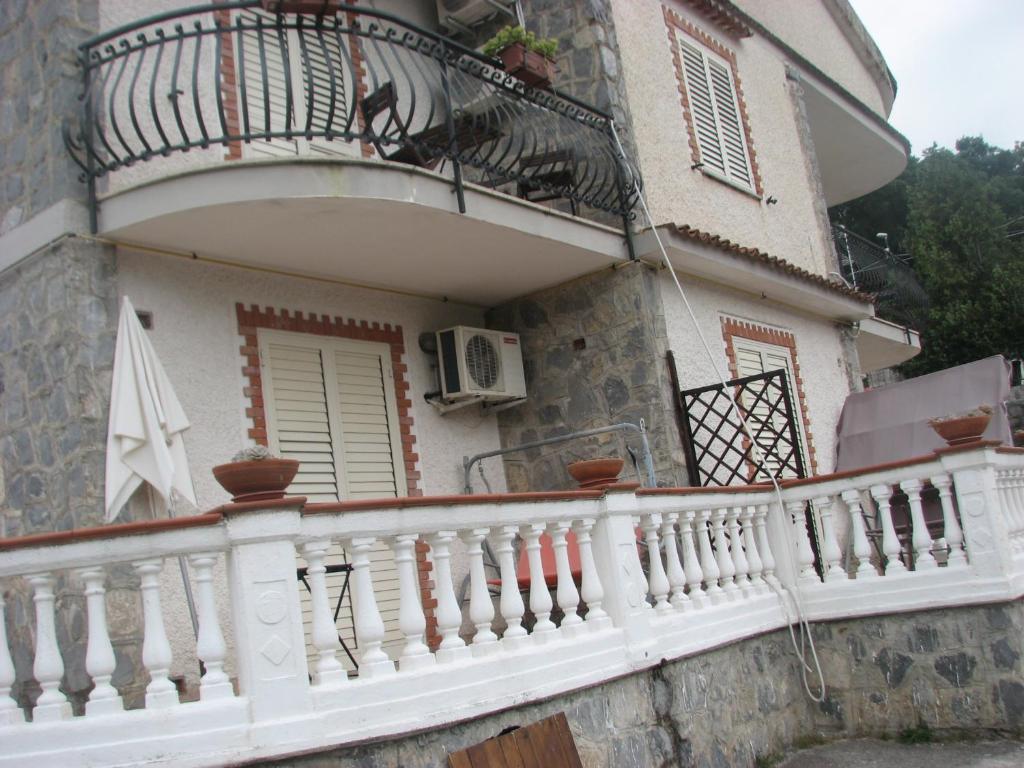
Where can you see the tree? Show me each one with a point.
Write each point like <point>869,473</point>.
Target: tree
<point>960,216</point>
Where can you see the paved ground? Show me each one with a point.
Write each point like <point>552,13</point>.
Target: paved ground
<point>871,753</point>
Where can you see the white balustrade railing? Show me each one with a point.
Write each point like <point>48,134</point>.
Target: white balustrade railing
<point>565,590</point>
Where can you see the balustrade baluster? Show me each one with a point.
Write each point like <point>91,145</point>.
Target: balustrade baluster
<point>540,599</point>
<point>658,582</point>
<point>481,609</point>
<point>99,653</point>
<point>921,539</point>
<point>10,713</point>
<point>804,554</point>
<point>210,646</point>
<point>950,527</point>
<point>591,590</point>
<point>763,547</point>
<point>411,621</point>
<point>726,568</point>
<point>1016,482</point>
<point>831,554</point>
<point>890,543</point>
<point>511,602</point>
<point>369,626</point>
<point>861,546</point>
<point>566,594</point>
<point>739,557</point>
<point>324,633</point>
<point>156,650</point>
<point>691,565</point>
<point>674,568</point>
<point>755,566</point>
<point>48,667</point>
<point>708,563</point>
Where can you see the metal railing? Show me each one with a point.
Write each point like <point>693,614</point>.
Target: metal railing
<point>234,75</point>
<point>898,294</point>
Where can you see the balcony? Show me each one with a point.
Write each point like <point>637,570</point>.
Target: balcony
<point>354,128</point>
<point>715,566</point>
<point>901,305</point>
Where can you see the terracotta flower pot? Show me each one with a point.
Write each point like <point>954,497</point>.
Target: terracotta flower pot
<point>595,473</point>
<point>534,69</point>
<point>962,429</point>
<point>259,480</point>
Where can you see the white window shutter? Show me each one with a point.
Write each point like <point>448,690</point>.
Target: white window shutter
<point>714,110</point>
<point>330,404</point>
<point>312,65</point>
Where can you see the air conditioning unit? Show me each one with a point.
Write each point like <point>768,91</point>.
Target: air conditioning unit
<point>466,12</point>
<point>476,362</point>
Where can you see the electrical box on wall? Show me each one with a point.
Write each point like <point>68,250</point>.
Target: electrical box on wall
<point>479,363</point>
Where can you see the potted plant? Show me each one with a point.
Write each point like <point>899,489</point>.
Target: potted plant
<point>255,474</point>
<point>961,428</point>
<point>524,55</point>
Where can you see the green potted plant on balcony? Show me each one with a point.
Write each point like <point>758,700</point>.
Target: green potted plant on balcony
<point>524,55</point>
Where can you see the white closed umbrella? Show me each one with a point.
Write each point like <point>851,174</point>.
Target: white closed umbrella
<point>144,433</point>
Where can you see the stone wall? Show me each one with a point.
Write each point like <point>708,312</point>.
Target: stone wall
<point>956,671</point>
<point>39,86</point>
<point>1015,408</point>
<point>594,355</point>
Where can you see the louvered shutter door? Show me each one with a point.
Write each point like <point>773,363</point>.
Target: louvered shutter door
<point>714,110</point>
<point>277,53</point>
<point>752,360</point>
<point>702,108</point>
<point>309,68</point>
<point>331,409</point>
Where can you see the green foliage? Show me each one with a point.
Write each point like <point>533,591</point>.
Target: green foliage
<point>959,215</point>
<point>545,46</point>
<point>921,734</point>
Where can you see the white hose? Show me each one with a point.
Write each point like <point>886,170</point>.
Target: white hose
<point>805,634</point>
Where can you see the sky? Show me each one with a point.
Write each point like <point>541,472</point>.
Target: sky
<point>959,67</point>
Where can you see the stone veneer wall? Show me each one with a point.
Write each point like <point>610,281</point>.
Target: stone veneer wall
<point>39,86</point>
<point>957,671</point>
<point>594,355</point>
<point>58,322</point>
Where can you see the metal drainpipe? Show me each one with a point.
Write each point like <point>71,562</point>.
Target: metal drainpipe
<point>468,462</point>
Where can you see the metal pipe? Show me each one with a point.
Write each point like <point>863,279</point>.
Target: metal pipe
<point>468,462</point>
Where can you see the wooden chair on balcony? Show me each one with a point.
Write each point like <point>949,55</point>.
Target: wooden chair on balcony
<point>426,148</point>
<point>554,179</point>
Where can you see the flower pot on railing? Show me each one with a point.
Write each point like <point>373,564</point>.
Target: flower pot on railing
<point>963,428</point>
<point>596,473</point>
<point>256,475</point>
<point>533,68</point>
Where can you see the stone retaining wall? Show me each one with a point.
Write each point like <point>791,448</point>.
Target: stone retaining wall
<point>956,671</point>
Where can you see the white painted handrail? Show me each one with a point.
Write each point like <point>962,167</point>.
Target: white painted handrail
<point>711,556</point>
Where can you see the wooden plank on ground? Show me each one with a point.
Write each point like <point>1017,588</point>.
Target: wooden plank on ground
<point>544,744</point>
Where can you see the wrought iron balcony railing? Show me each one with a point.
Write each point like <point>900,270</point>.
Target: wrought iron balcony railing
<point>898,294</point>
<point>354,82</point>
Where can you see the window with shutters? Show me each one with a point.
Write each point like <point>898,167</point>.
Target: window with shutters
<point>714,111</point>
<point>713,106</point>
<point>316,68</point>
<point>330,403</point>
<point>753,358</point>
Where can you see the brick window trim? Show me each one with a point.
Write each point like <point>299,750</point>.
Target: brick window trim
<point>734,328</point>
<point>676,24</point>
<point>252,319</point>
<point>229,82</point>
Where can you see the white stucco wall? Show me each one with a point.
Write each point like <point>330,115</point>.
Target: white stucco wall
<point>818,347</point>
<point>808,28</point>
<point>678,194</point>
<point>195,334</point>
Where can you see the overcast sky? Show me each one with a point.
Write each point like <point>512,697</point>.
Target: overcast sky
<point>959,65</point>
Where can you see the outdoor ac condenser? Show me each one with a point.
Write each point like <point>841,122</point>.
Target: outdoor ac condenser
<point>467,12</point>
<point>476,362</point>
